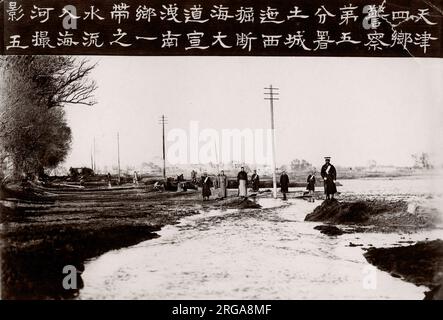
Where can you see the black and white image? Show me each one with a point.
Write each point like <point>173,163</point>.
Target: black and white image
<point>221,176</point>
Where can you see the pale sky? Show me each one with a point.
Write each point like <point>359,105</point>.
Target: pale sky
<point>352,109</point>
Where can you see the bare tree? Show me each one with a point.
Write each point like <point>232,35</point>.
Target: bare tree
<point>57,80</point>
<point>34,132</point>
<point>422,161</point>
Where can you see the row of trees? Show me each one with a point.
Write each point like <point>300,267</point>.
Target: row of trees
<point>422,161</point>
<point>34,134</point>
<point>297,165</point>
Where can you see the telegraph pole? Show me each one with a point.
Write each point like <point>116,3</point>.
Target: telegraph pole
<point>118,156</point>
<point>94,166</point>
<point>163,121</point>
<point>271,94</point>
<point>92,160</point>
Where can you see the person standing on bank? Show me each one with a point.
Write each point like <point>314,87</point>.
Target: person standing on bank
<point>206,186</point>
<point>329,175</point>
<point>223,185</point>
<point>242,179</point>
<point>217,185</point>
<point>284,184</point>
<point>255,181</point>
<point>311,185</point>
<point>194,176</point>
<point>135,178</point>
<point>109,178</point>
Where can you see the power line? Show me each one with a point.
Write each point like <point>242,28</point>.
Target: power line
<point>94,165</point>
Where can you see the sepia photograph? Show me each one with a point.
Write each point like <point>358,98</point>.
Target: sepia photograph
<point>153,178</point>
<point>220,177</point>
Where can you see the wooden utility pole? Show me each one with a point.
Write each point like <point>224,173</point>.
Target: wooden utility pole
<point>118,156</point>
<point>94,165</point>
<point>92,160</point>
<point>271,94</point>
<point>163,121</point>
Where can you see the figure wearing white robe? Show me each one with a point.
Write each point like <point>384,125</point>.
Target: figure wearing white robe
<point>242,179</point>
<point>223,186</point>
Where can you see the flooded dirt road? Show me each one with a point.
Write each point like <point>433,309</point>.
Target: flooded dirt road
<point>249,254</point>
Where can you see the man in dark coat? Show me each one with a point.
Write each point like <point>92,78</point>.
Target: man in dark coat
<point>311,185</point>
<point>329,175</point>
<point>206,186</point>
<point>284,184</point>
<point>255,181</point>
<point>242,179</point>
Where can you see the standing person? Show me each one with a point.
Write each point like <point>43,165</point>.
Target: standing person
<point>206,186</point>
<point>217,185</point>
<point>311,185</point>
<point>242,179</point>
<point>135,179</point>
<point>223,185</point>
<point>109,180</point>
<point>180,184</point>
<point>284,184</point>
<point>329,175</point>
<point>194,176</point>
<point>255,181</point>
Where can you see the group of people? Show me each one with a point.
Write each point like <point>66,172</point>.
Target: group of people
<point>329,175</point>
<point>220,184</point>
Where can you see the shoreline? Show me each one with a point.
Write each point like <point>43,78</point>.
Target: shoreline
<point>42,234</point>
<point>420,263</point>
<point>40,238</point>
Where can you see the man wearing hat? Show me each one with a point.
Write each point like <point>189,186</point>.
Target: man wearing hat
<point>284,184</point>
<point>206,186</point>
<point>329,175</point>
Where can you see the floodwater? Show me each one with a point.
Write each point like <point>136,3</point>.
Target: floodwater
<point>256,254</point>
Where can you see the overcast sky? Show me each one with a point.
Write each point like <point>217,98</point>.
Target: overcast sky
<point>353,109</point>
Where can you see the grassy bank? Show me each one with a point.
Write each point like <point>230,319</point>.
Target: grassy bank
<point>64,228</point>
<point>45,229</point>
<point>376,215</point>
<point>421,264</point>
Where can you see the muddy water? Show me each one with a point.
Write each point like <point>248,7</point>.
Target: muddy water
<point>246,254</point>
